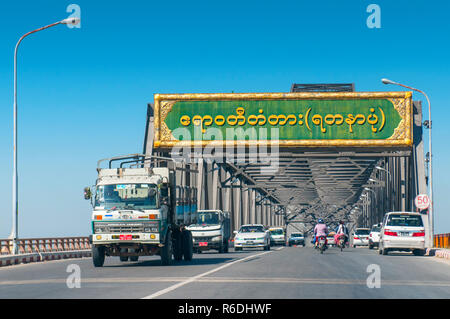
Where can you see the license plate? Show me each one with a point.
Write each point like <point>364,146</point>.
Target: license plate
<point>249,242</point>
<point>203,244</point>
<point>404,233</point>
<point>125,237</point>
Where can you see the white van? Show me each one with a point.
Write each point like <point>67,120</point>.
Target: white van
<point>402,231</point>
<point>277,236</point>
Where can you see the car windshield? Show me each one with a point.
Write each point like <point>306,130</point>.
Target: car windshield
<point>296,235</point>
<point>126,196</point>
<point>277,232</point>
<point>362,232</point>
<point>208,218</point>
<point>375,229</point>
<point>251,229</point>
<point>404,220</point>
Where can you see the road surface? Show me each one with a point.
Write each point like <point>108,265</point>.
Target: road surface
<point>282,272</point>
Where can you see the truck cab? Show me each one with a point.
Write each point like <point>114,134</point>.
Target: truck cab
<point>135,213</point>
<point>211,231</point>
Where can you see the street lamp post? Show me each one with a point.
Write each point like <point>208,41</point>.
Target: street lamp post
<point>15,202</point>
<point>430,217</point>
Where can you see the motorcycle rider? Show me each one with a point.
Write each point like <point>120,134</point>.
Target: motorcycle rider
<point>341,230</point>
<point>321,229</point>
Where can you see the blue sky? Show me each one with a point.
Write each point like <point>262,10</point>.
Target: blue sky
<point>83,92</point>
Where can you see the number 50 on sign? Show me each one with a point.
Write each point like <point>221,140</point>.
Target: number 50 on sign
<point>422,201</point>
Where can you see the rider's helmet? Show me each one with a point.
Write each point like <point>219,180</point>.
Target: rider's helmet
<point>320,221</point>
<point>341,222</point>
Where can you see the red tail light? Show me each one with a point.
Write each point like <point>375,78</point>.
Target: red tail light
<point>390,233</point>
<point>419,234</point>
<point>355,237</point>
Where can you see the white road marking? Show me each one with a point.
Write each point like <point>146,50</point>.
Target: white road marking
<point>234,280</point>
<point>192,279</point>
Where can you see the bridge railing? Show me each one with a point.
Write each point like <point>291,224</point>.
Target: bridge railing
<point>442,240</point>
<point>45,245</point>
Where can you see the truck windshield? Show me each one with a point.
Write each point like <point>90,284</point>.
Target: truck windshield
<point>208,218</point>
<point>127,196</point>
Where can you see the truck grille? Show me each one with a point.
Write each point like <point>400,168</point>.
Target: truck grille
<point>126,227</point>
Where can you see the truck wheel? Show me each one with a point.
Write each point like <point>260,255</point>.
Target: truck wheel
<point>134,258</point>
<point>178,246</point>
<point>188,248</point>
<point>166,250</point>
<point>123,258</point>
<point>98,255</point>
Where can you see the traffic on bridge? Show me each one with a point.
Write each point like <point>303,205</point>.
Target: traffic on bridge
<point>317,191</point>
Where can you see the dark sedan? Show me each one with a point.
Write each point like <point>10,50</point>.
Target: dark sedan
<point>297,239</point>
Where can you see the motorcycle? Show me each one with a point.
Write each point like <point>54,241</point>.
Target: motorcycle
<point>321,244</point>
<point>341,242</point>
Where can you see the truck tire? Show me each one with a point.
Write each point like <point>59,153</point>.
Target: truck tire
<point>177,246</point>
<point>134,258</point>
<point>98,255</point>
<point>188,248</point>
<point>225,248</point>
<point>123,258</point>
<point>166,251</point>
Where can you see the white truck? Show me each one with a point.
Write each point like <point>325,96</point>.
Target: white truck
<point>212,231</point>
<point>139,210</point>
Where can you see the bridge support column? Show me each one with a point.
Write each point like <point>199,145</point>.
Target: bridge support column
<point>237,200</point>
<point>245,206</point>
<point>252,203</point>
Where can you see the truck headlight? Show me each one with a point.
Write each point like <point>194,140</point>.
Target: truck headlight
<point>151,228</point>
<point>101,229</point>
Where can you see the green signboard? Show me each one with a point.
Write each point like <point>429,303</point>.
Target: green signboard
<point>289,119</point>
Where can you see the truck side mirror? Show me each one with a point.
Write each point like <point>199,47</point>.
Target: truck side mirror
<point>87,193</point>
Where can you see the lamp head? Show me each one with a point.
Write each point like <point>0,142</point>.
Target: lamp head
<point>387,81</point>
<point>72,21</point>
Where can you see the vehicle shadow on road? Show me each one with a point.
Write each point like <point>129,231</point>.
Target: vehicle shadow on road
<point>157,262</point>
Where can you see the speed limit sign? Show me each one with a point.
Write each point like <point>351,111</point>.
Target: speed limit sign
<point>422,201</point>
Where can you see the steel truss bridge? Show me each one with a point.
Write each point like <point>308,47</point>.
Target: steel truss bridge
<point>357,185</point>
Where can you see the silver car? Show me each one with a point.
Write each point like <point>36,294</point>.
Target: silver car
<point>374,236</point>
<point>402,231</point>
<point>252,236</point>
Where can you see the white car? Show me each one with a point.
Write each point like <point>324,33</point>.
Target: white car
<point>402,231</point>
<point>374,236</point>
<point>252,236</point>
<point>277,236</point>
<point>361,237</point>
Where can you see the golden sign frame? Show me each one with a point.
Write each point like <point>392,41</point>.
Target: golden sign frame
<point>402,136</point>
